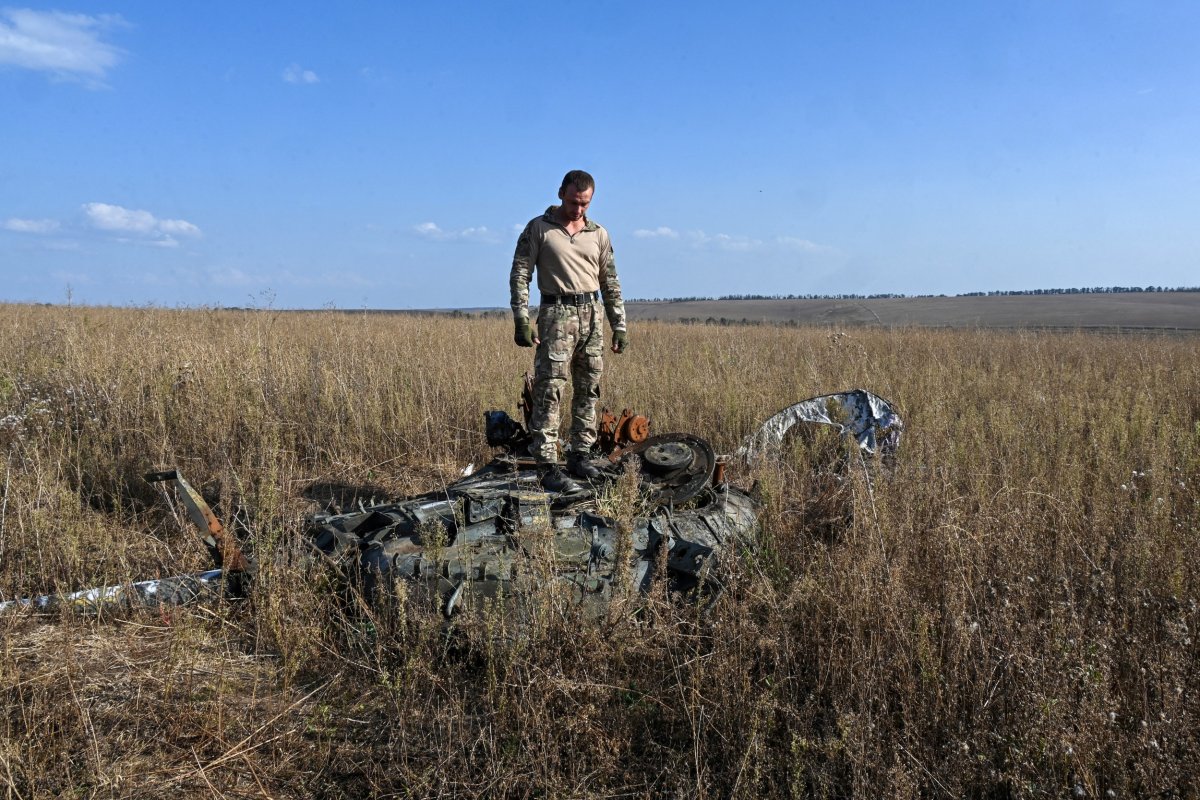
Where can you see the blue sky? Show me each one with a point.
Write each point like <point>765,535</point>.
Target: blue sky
<point>384,155</point>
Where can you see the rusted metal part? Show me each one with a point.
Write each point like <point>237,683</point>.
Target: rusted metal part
<point>614,433</point>
<point>631,428</point>
<point>221,545</point>
<point>634,429</point>
<point>606,431</point>
<point>228,578</point>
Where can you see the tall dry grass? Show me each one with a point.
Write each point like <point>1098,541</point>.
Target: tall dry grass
<point>1010,611</point>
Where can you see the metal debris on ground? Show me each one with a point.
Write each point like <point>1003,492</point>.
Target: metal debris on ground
<point>470,540</point>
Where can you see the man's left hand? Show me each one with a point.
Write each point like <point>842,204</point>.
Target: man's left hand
<point>523,333</point>
<point>620,341</point>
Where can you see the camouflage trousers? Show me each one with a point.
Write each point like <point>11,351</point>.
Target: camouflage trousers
<point>572,341</point>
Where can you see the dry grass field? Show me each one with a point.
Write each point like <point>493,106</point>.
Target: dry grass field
<point>1121,310</point>
<point>1011,612</point>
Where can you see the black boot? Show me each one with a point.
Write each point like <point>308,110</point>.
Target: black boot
<point>579,465</point>
<point>555,480</point>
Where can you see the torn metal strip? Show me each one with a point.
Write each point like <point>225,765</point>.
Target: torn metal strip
<point>175,591</point>
<point>221,545</point>
<point>871,420</point>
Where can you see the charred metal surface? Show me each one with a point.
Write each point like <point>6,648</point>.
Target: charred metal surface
<point>468,543</point>
<point>675,466</point>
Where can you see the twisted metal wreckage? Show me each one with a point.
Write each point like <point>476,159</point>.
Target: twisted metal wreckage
<point>460,543</point>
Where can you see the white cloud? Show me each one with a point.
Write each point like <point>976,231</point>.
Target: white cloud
<point>68,46</point>
<point>30,225</point>
<point>294,73</point>
<point>480,234</point>
<point>154,231</point>
<point>181,226</point>
<point>431,230</point>
<point>732,242</point>
<point>723,241</point>
<point>164,241</point>
<point>804,245</point>
<point>661,232</point>
<point>116,218</point>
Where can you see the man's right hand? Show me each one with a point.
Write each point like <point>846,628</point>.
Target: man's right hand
<point>523,333</point>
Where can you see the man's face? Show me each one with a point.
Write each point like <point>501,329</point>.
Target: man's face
<point>574,203</point>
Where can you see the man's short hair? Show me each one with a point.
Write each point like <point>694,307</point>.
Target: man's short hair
<point>579,179</point>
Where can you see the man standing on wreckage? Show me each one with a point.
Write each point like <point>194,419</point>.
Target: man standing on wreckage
<point>573,258</point>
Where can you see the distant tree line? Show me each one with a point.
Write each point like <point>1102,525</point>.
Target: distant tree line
<point>769,297</point>
<point>891,295</point>
<point>1083,290</point>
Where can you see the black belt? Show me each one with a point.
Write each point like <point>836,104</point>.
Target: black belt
<point>581,299</point>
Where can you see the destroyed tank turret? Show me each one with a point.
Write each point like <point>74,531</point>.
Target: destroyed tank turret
<point>465,542</point>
